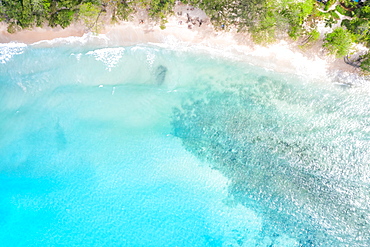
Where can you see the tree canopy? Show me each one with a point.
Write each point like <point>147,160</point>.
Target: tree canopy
<point>339,42</point>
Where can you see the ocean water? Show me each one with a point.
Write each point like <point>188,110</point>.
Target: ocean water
<point>105,145</point>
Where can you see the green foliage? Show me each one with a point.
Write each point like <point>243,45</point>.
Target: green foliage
<point>89,13</point>
<point>290,15</point>
<point>314,35</point>
<point>365,62</point>
<point>62,18</point>
<point>363,12</point>
<point>17,12</point>
<point>338,42</point>
<point>163,24</point>
<point>159,9</point>
<point>122,10</point>
<point>348,3</point>
<point>29,13</point>
<point>12,28</point>
<point>360,28</point>
<point>341,10</point>
<point>311,37</point>
<point>330,22</point>
<point>298,12</point>
<point>225,12</point>
<point>329,4</point>
<point>265,20</point>
<point>265,31</point>
<point>334,14</point>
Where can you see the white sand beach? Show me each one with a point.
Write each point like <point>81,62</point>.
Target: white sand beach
<point>283,56</point>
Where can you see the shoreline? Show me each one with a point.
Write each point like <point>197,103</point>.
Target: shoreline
<point>282,56</point>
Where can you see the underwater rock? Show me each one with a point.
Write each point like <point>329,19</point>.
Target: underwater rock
<point>160,74</point>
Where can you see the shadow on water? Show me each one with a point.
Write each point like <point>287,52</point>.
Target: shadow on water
<point>300,154</point>
<point>60,137</point>
<point>160,74</point>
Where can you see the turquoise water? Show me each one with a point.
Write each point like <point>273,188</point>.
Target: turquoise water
<point>145,146</point>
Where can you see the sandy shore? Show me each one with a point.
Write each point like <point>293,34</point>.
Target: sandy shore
<point>283,56</point>
<point>36,34</point>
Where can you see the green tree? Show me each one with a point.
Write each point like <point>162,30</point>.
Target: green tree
<point>265,31</point>
<point>17,12</point>
<point>365,62</point>
<point>159,9</point>
<point>311,37</point>
<point>293,15</point>
<point>63,18</point>
<point>89,14</point>
<point>121,10</point>
<point>219,11</point>
<point>338,42</point>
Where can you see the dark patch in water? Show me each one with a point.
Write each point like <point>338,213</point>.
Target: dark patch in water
<point>60,137</point>
<point>160,74</point>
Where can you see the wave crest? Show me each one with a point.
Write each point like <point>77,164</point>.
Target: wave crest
<point>8,50</point>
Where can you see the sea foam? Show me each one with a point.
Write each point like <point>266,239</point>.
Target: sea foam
<point>8,50</point>
<point>109,56</point>
<point>87,39</point>
<point>280,57</point>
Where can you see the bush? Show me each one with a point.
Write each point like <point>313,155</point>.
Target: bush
<point>329,4</point>
<point>310,38</point>
<point>122,10</point>
<point>365,62</point>
<point>13,28</point>
<point>360,28</point>
<point>159,9</point>
<point>334,14</point>
<point>89,13</point>
<point>340,10</point>
<point>339,42</point>
<point>62,18</point>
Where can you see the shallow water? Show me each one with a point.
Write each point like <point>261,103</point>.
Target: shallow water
<point>145,146</point>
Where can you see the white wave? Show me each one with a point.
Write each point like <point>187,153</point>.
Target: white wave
<point>87,38</point>
<point>8,50</point>
<point>280,57</point>
<point>78,56</point>
<point>150,57</point>
<point>109,56</point>
<point>24,88</point>
<point>137,48</point>
<point>150,49</point>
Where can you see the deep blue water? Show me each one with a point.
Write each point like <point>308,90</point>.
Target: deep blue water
<point>143,146</point>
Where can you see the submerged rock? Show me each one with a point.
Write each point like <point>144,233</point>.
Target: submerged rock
<point>160,74</point>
